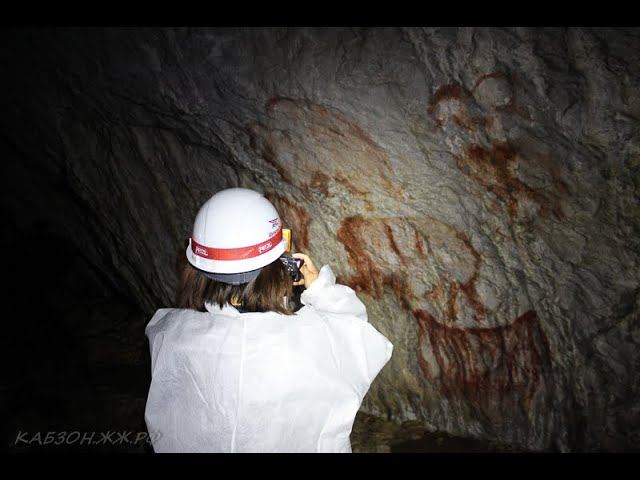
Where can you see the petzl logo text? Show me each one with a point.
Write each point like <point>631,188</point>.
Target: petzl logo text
<point>264,248</point>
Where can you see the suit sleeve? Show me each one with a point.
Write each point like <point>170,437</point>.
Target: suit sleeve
<point>363,349</point>
<point>326,296</point>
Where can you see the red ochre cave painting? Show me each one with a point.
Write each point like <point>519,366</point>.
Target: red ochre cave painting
<point>488,367</point>
<point>294,216</point>
<point>450,100</point>
<point>494,166</point>
<point>321,151</point>
<point>382,259</point>
<point>454,101</point>
<point>480,365</point>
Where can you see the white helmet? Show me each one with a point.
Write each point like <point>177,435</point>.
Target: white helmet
<point>235,231</point>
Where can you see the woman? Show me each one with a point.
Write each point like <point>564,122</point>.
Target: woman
<point>234,369</point>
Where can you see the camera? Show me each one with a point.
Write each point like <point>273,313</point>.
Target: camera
<point>293,266</point>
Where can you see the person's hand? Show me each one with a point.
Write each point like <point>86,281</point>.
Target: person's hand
<point>308,270</point>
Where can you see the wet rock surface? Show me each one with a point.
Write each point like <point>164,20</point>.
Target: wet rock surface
<point>478,187</point>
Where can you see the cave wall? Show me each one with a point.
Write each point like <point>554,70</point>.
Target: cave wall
<point>477,186</point>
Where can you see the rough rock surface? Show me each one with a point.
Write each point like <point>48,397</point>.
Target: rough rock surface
<point>478,186</point>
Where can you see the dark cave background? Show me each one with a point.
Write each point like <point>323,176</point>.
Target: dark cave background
<point>74,350</point>
<point>100,122</point>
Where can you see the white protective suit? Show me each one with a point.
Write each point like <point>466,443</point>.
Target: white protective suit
<point>224,381</point>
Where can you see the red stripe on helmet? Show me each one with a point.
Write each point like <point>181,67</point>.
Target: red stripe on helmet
<point>236,253</point>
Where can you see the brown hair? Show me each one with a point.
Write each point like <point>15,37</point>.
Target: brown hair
<point>264,293</point>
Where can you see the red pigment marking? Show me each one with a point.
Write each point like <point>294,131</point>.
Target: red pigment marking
<point>452,92</point>
<point>462,120</point>
<point>325,114</point>
<point>294,216</point>
<point>358,132</point>
<point>469,287</point>
<point>400,288</point>
<point>447,92</point>
<point>368,277</point>
<point>320,183</point>
<point>345,123</point>
<point>552,167</point>
<point>435,293</point>
<point>452,308</point>
<point>324,125</point>
<point>425,319</point>
<point>392,242</point>
<point>350,186</point>
<point>487,366</point>
<point>419,245</point>
<point>493,169</point>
